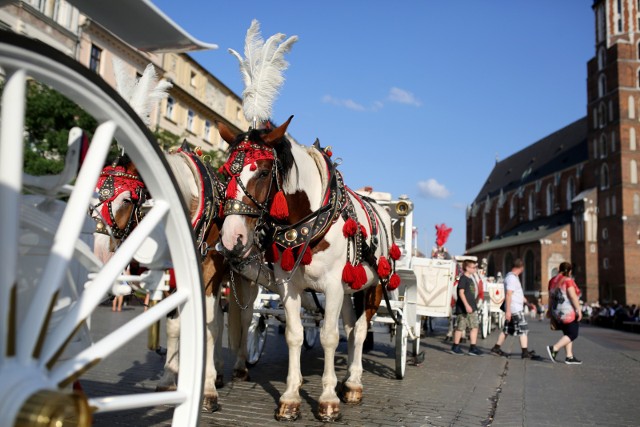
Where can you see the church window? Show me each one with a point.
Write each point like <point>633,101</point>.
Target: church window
<point>602,85</point>
<point>571,191</point>
<point>632,139</point>
<point>604,177</point>
<point>512,207</point>
<point>550,200</point>
<point>632,107</point>
<point>603,147</point>
<point>532,206</point>
<point>633,172</point>
<point>636,204</point>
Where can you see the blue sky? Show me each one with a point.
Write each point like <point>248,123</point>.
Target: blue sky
<point>415,97</point>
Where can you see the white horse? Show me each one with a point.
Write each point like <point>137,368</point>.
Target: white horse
<point>289,202</point>
<point>118,210</point>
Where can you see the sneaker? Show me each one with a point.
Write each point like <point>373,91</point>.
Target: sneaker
<point>475,351</point>
<point>498,352</point>
<point>572,361</point>
<point>456,350</point>
<point>552,354</point>
<point>530,354</point>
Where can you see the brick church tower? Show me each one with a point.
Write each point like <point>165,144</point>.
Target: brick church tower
<point>613,112</point>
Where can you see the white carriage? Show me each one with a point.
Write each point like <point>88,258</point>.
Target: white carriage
<point>51,282</point>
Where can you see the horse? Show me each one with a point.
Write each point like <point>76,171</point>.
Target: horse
<point>288,203</point>
<point>121,192</point>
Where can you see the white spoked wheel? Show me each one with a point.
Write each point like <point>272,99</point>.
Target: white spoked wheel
<point>310,336</point>
<point>42,254</point>
<point>501,319</point>
<point>256,338</point>
<point>485,321</point>
<point>401,347</point>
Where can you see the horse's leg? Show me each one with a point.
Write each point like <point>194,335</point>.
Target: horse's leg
<point>289,406</point>
<point>218,325</point>
<point>210,397</point>
<point>329,403</point>
<point>168,380</point>
<point>239,321</point>
<point>352,388</point>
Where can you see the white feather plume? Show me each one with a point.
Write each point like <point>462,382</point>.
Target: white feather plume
<point>143,93</point>
<point>262,71</point>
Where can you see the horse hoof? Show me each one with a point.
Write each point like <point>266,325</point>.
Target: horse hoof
<point>352,395</point>
<point>166,388</point>
<point>329,412</point>
<point>219,381</point>
<point>288,412</point>
<point>210,404</point>
<point>241,375</point>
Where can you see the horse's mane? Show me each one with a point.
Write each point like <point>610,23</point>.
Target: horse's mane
<point>188,186</point>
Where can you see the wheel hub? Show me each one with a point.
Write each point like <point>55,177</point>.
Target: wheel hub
<point>54,409</point>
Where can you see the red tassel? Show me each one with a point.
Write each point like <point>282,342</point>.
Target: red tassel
<point>394,282</point>
<point>394,252</point>
<point>306,257</point>
<point>232,188</point>
<point>361,276</point>
<point>348,275</point>
<point>363,230</point>
<point>273,255</point>
<point>279,208</point>
<point>288,261</point>
<point>350,228</point>
<point>384,269</point>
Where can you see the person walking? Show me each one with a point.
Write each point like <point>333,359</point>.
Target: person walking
<point>564,307</point>
<point>515,321</point>
<point>466,310</point>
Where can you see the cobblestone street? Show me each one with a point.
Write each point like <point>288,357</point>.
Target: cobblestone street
<point>445,390</point>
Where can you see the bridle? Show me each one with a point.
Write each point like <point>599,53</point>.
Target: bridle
<point>114,180</point>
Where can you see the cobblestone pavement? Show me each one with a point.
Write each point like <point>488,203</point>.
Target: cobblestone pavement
<point>445,390</point>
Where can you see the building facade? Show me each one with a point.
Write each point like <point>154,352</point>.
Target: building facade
<point>574,195</point>
<point>197,101</point>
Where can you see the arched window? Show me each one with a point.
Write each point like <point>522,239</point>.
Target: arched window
<point>607,206</point>
<point>633,172</point>
<point>602,59</point>
<point>484,226</point>
<point>613,141</point>
<point>632,139</point>
<point>632,107</point>
<point>602,85</point>
<point>595,148</point>
<point>532,206</point>
<point>512,206</point>
<point>550,199</point>
<point>508,262</point>
<point>604,177</point>
<point>497,221</point>
<point>614,208</point>
<point>571,191</point>
<point>491,266</point>
<point>602,114</point>
<point>603,147</point>
<point>636,204</point>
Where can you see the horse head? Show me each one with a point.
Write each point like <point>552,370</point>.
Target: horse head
<point>121,194</point>
<point>258,163</point>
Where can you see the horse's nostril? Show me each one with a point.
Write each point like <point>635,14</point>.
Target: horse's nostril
<point>239,240</point>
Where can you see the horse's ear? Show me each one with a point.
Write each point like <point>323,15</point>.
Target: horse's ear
<point>273,137</point>
<point>226,133</point>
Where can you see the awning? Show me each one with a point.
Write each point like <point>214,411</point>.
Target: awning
<point>141,24</point>
<point>515,240</point>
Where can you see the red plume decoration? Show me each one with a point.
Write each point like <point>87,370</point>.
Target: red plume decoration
<point>306,256</point>
<point>350,228</point>
<point>288,261</point>
<point>279,207</point>
<point>442,234</point>
<point>394,282</point>
<point>394,252</point>
<point>384,268</point>
<point>348,275</point>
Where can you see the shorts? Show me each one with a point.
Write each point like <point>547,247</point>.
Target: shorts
<point>467,320</point>
<point>570,329</point>
<point>517,326</point>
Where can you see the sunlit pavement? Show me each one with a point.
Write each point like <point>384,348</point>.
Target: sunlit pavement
<point>445,390</point>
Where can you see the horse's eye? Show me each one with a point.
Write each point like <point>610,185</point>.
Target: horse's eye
<point>127,202</point>
<point>263,173</point>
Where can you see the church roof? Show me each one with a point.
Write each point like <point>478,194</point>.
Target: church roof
<point>562,149</point>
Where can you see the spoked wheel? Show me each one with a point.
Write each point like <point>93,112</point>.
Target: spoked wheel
<point>401,348</point>
<point>310,336</point>
<point>46,299</point>
<point>501,320</point>
<point>256,338</point>
<point>485,322</point>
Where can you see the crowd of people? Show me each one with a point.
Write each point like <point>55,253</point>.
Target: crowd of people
<point>610,315</point>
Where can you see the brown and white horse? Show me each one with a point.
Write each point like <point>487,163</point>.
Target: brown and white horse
<point>288,202</point>
<point>120,190</point>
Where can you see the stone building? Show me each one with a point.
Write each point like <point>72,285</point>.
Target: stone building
<point>574,195</point>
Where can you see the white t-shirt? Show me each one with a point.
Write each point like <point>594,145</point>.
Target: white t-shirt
<point>512,283</point>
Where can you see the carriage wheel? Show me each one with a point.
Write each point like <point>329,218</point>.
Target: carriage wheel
<point>42,250</point>
<point>310,336</point>
<point>485,322</point>
<point>401,347</point>
<point>256,338</point>
<point>501,319</point>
